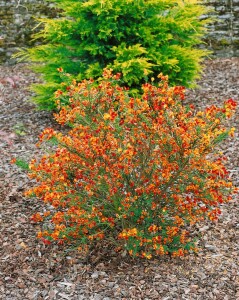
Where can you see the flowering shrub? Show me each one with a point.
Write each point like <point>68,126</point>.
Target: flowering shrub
<point>132,171</point>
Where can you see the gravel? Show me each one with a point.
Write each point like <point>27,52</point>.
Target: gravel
<point>32,270</point>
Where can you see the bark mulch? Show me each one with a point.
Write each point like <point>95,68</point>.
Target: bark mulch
<point>32,270</point>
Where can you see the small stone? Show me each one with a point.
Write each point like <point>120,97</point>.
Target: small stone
<point>211,248</point>
<point>95,275</point>
<point>7,278</point>
<point>97,297</point>
<point>103,281</point>
<point>194,287</point>
<point>142,282</point>
<point>111,284</point>
<point>204,228</point>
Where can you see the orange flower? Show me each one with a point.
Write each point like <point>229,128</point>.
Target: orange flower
<point>36,217</point>
<point>13,161</point>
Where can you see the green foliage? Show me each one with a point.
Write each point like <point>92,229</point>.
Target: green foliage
<point>22,164</point>
<point>138,38</point>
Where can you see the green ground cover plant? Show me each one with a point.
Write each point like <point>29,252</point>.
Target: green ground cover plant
<point>138,38</point>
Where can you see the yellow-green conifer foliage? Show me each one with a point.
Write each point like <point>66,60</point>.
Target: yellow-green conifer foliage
<point>139,38</point>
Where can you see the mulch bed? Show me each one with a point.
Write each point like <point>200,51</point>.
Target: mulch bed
<point>31,270</point>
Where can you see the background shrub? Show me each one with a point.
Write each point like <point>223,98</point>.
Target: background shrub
<point>131,171</point>
<point>138,38</point>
